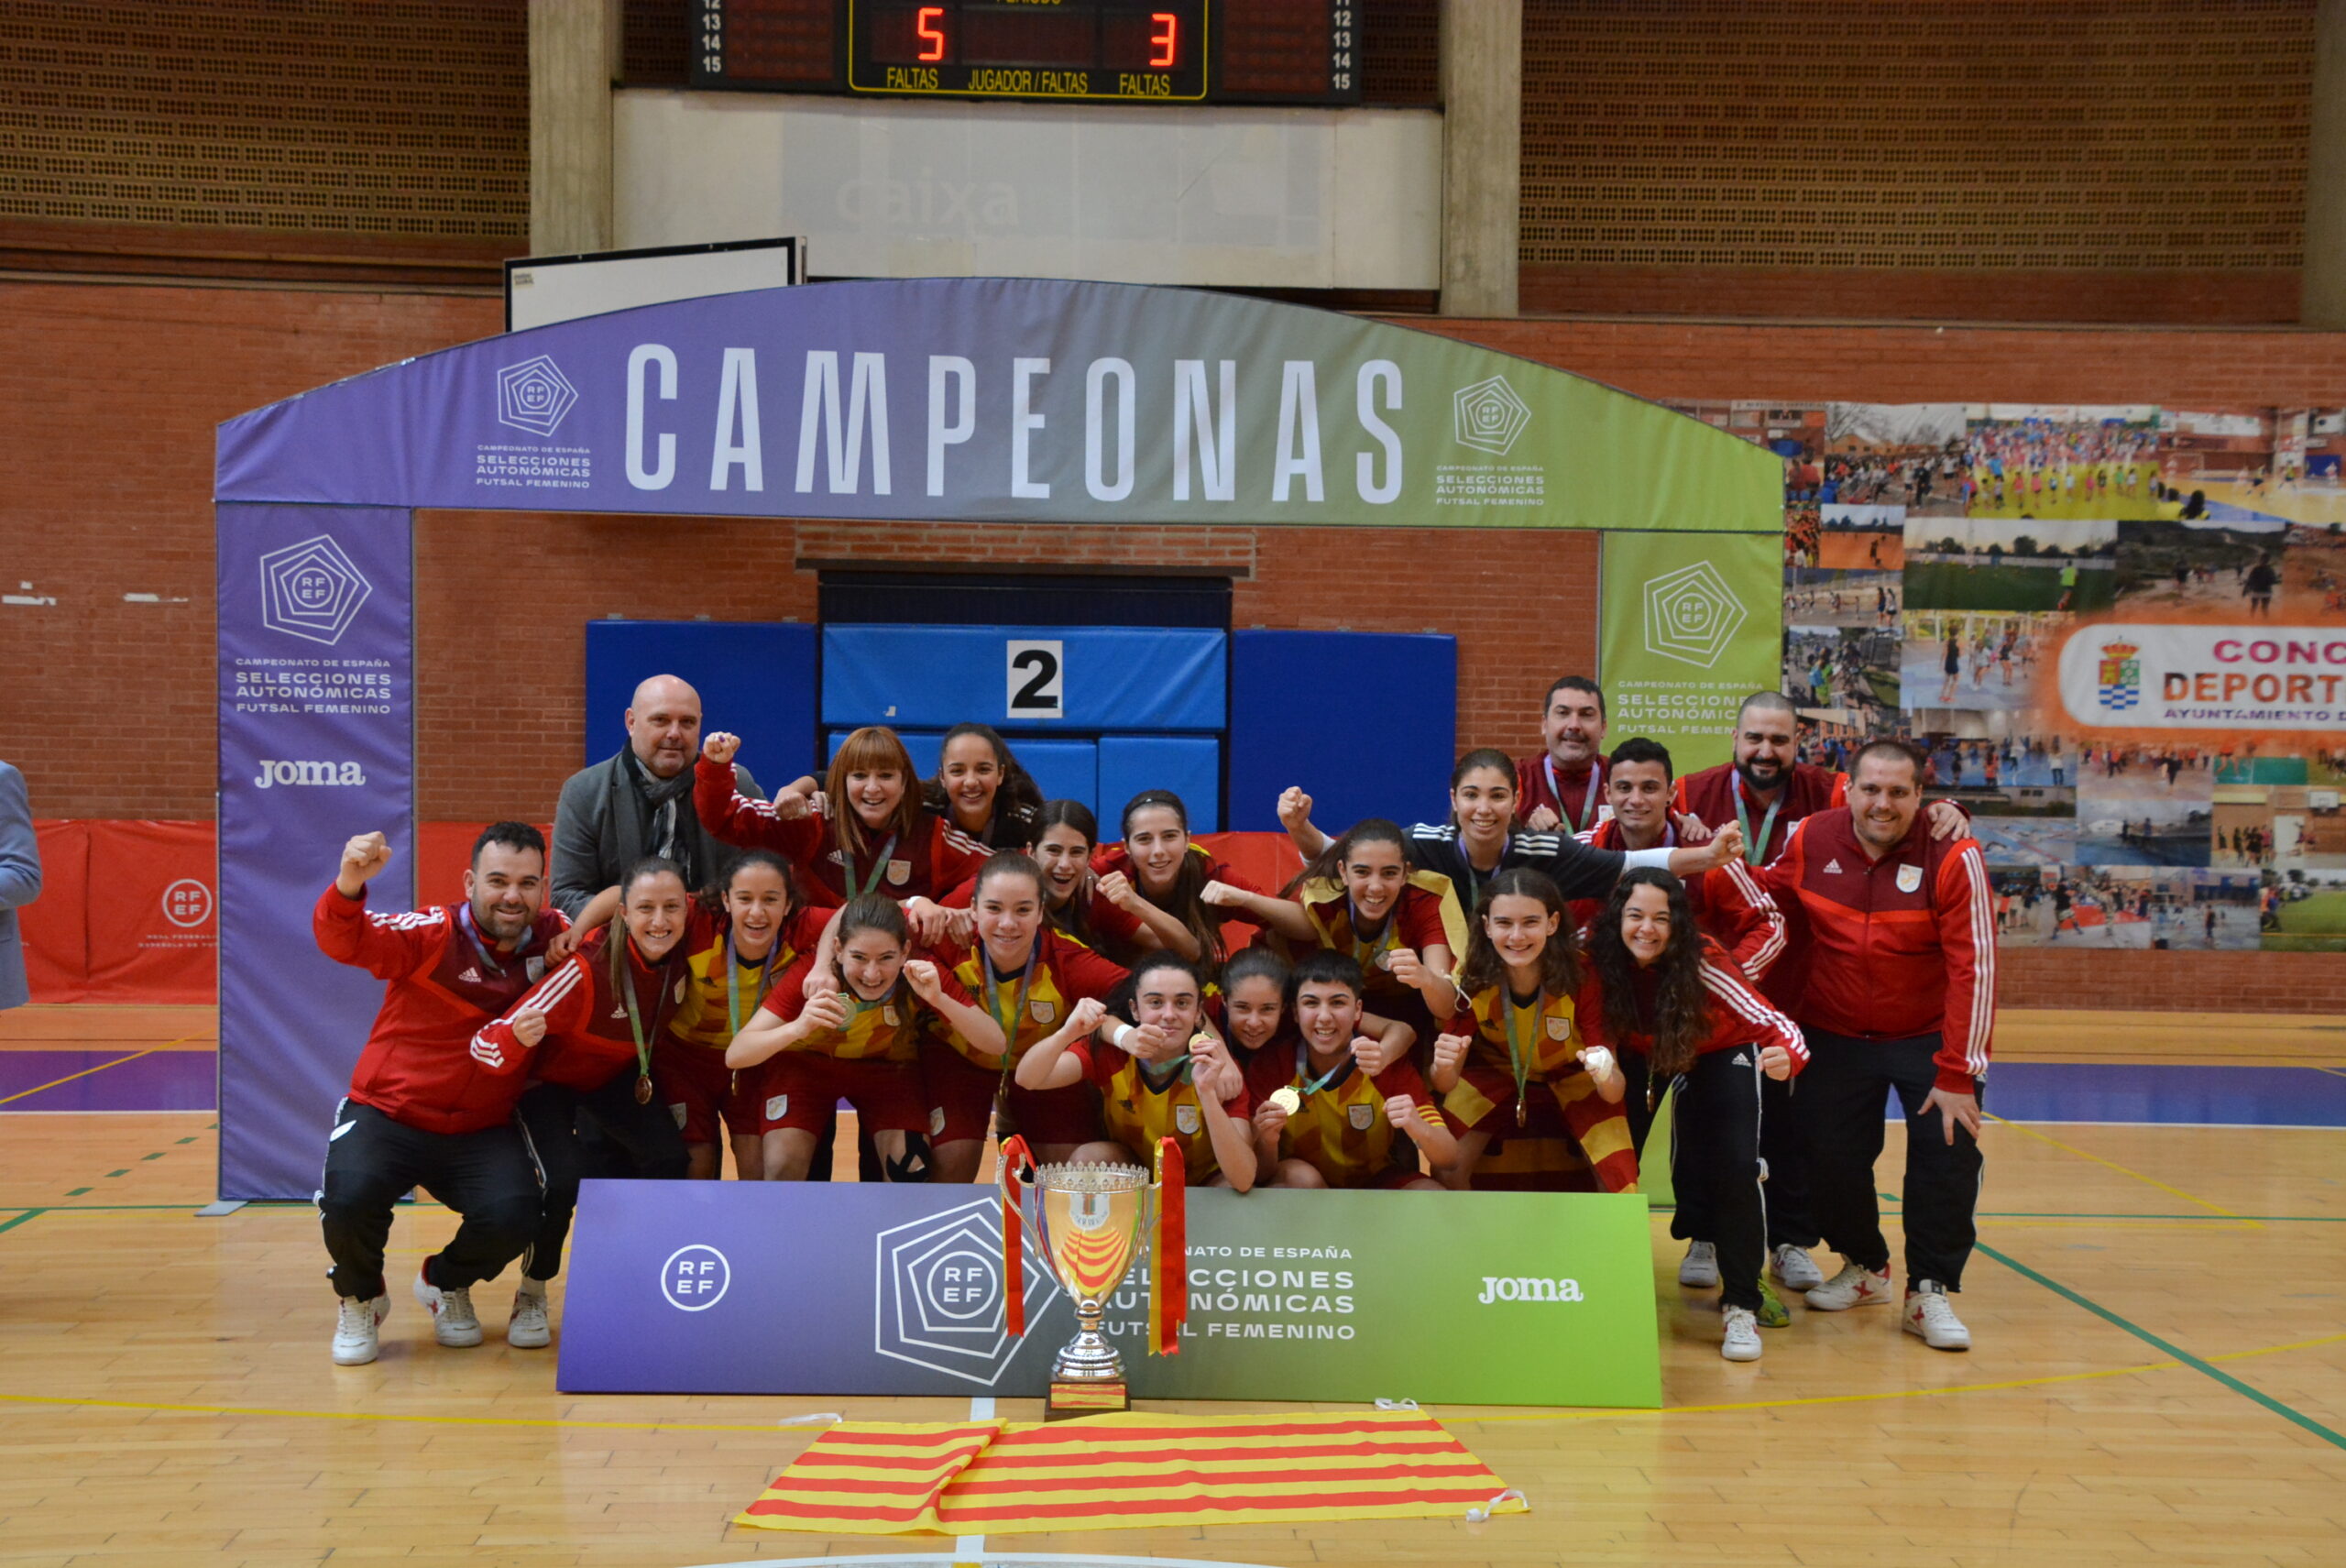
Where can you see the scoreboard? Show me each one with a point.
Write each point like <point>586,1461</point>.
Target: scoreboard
<point>1131,51</point>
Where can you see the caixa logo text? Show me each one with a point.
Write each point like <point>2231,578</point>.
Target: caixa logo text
<point>1498,1288</point>
<point>337,774</point>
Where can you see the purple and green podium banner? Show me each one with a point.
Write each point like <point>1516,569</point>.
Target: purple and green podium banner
<point>805,1287</point>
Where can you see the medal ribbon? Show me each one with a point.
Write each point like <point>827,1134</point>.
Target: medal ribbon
<point>623,981</point>
<point>1383,942</point>
<point>879,869</point>
<point>1018,1002</point>
<point>1588,801</point>
<point>1755,845</point>
<point>1519,1053</point>
<point>1302,1065</point>
<point>472,935</point>
<point>733,979</point>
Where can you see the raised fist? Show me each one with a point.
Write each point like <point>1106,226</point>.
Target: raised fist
<point>921,975</point>
<point>528,1026</point>
<point>719,746</point>
<point>1295,808</point>
<point>1085,1015</point>
<point>1543,819</point>
<point>1728,844</point>
<point>1117,888</point>
<point>1450,1051</point>
<point>827,1011</point>
<point>1222,893</point>
<point>365,855</point>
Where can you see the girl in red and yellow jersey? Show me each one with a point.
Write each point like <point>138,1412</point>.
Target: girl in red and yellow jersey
<point>761,930</point>
<point>1175,876</point>
<point>1513,1069</point>
<point>1161,1076</point>
<point>859,1043</point>
<point>1321,1117</point>
<point>871,834</point>
<point>1677,1008</point>
<point>1403,927</point>
<point>1028,979</point>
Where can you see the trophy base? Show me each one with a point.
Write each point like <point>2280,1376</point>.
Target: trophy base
<point>1094,1396</point>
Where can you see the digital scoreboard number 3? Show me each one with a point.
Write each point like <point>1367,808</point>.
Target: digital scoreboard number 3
<point>1132,52</point>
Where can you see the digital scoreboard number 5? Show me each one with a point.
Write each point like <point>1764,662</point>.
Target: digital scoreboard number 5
<point>1037,674</point>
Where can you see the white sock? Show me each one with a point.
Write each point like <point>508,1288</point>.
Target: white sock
<point>528,1287</point>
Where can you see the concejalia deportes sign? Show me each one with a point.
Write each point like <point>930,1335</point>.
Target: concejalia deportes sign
<point>776,1287</point>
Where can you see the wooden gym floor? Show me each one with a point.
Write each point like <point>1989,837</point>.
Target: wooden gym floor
<point>2160,1315</point>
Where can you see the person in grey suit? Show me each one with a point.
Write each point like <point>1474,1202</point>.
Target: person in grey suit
<point>639,802</point>
<point>19,881</point>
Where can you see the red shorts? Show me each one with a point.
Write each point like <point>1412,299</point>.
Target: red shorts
<point>1542,1117</point>
<point>961,1102</point>
<point>700,1090</point>
<point>801,1090</point>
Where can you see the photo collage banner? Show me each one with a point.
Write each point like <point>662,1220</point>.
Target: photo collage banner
<point>2118,632</point>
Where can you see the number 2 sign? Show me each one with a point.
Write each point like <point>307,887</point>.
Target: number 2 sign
<point>1037,680</point>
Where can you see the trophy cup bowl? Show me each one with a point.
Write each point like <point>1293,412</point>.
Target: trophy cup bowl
<point>1089,1223</point>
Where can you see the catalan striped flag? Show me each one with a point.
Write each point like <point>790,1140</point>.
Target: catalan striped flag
<point>871,1478</point>
<point>1124,1471</point>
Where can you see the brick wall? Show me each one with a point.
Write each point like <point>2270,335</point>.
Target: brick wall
<point>109,395</point>
<point>2203,296</point>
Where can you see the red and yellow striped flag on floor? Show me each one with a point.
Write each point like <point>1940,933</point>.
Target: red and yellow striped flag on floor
<point>1124,1472</point>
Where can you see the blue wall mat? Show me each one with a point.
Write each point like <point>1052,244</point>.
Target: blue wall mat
<point>1126,678</point>
<point>1366,722</point>
<point>1063,769</point>
<point>1189,765</point>
<point>1060,768</point>
<point>755,678</point>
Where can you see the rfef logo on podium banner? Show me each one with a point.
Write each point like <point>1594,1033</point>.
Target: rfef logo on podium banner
<point>939,1298</point>
<point>695,1278</point>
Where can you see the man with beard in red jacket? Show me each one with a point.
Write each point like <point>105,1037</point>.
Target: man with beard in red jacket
<point>420,1110</point>
<point>1899,933</point>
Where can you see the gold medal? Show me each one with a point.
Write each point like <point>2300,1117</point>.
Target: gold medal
<point>1519,1110</point>
<point>644,1092</point>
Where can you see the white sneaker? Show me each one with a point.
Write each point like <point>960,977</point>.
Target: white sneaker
<point>1932,1316</point>
<point>1853,1286</point>
<point>1795,1269</point>
<point>1741,1340</point>
<point>454,1323</point>
<point>528,1327</point>
<point>1701,1267</point>
<point>355,1334</point>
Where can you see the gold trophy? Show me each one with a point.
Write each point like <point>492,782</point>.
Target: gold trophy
<point>1090,1222</point>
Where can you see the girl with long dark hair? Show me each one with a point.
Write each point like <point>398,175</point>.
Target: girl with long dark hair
<point>1534,1110</point>
<point>1673,1007</point>
<point>980,789</point>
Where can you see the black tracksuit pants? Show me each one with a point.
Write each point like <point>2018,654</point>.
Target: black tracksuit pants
<point>1840,1106</point>
<point>372,1161</point>
<point>550,1116</point>
<point>1715,1131</point>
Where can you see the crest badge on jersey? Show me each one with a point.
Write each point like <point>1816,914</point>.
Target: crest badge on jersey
<point>937,1120</point>
<point>890,1016</point>
<point>1043,1010</point>
<point>1909,878</point>
<point>679,1111</point>
<point>535,968</point>
<point>1361,1117</point>
<point>1559,1028</point>
<point>777,1107</point>
<point>899,872</point>
<point>679,996</point>
<point>1187,1120</point>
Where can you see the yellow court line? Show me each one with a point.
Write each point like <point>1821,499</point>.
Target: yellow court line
<point>2122,1170</point>
<point>85,1072</point>
<point>773,1429</point>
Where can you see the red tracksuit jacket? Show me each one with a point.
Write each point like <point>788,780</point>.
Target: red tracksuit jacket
<point>588,1039</point>
<point>1728,904</point>
<point>938,859</point>
<point>1895,948</point>
<point>1740,1015</point>
<point>415,1069</point>
<point>1711,794</point>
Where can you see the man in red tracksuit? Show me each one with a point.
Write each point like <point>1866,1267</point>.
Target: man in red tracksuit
<point>1562,790</point>
<point>1899,993</point>
<point>1731,907</point>
<point>420,1110</point>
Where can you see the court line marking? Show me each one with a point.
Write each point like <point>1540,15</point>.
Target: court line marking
<point>769,1430</point>
<point>27,1214</point>
<point>2196,1364</point>
<point>85,1072</point>
<point>2152,1180</point>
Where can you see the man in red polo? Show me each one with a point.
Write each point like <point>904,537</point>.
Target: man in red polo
<point>1899,993</point>
<point>1562,790</point>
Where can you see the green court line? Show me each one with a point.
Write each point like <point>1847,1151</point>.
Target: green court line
<point>2280,1219</point>
<point>77,1193</point>
<point>125,1172</point>
<point>2164,1348</point>
<point>27,1214</point>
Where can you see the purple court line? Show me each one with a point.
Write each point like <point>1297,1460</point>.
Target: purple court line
<point>33,1081</point>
